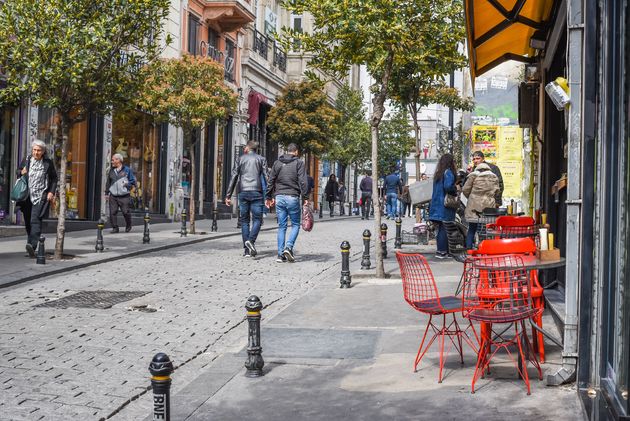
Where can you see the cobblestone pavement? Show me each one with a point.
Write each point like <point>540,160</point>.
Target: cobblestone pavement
<point>91,363</point>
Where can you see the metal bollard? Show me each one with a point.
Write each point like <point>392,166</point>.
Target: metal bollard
<point>365,259</point>
<point>41,251</point>
<point>184,231</point>
<point>161,368</point>
<point>398,240</point>
<point>255,362</point>
<point>321,208</point>
<point>384,239</point>
<point>215,214</point>
<point>146,237</point>
<point>99,236</point>
<point>346,279</point>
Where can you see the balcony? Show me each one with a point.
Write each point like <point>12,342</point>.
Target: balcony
<point>279,58</point>
<point>261,44</point>
<point>227,15</point>
<point>225,59</point>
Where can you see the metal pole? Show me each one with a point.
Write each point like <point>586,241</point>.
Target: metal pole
<point>398,241</point>
<point>99,236</point>
<point>365,259</point>
<point>384,239</point>
<point>255,362</point>
<point>146,237</point>
<point>346,279</point>
<point>161,368</point>
<point>41,251</point>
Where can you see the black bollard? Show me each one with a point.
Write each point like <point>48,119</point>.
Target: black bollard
<point>365,260</point>
<point>255,362</point>
<point>398,240</point>
<point>146,237</point>
<point>41,251</point>
<point>215,214</point>
<point>384,239</point>
<point>184,231</point>
<point>161,368</point>
<point>99,236</point>
<point>321,208</point>
<point>346,279</point>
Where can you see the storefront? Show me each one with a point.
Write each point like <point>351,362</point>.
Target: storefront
<point>139,140</point>
<point>7,137</point>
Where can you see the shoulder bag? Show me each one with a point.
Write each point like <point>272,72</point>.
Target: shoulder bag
<point>450,201</point>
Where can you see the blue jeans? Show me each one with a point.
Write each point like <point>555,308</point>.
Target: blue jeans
<point>250,201</point>
<point>470,237</point>
<point>392,204</point>
<point>288,207</point>
<point>441,237</point>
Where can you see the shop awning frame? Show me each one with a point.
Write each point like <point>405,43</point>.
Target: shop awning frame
<point>502,29</point>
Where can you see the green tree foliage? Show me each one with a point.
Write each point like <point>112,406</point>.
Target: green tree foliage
<point>303,116</point>
<point>395,141</point>
<point>187,93</point>
<point>351,138</point>
<point>383,35</point>
<point>77,57</point>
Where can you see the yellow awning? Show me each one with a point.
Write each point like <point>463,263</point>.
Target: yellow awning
<point>499,30</point>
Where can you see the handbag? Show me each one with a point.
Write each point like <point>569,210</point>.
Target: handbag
<point>307,218</point>
<point>450,201</point>
<point>19,192</point>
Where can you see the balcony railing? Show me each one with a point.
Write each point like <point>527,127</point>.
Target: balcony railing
<point>229,69</point>
<point>279,58</point>
<point>261,44</point>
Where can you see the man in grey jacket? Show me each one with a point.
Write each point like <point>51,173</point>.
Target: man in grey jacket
<point>288,185</point>
<point>249,171</point>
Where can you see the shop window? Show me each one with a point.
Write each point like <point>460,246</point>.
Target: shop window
<point>48,130</point>
<point>7,131</point>
<point>135,137</point>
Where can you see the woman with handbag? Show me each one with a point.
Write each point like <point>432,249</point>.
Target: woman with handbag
<point>42,186</point>
<point>439,212</point>
<point>481,188</point>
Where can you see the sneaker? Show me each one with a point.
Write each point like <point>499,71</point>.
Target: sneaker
<point>250,247</point>
<point>246,253</point>
<point>362,218</point>
<point>281,259</point>
<point>441,255</point>
<point>288,254</point>
<point>114,231</point>
<point>30,250</point>
<point>127,229</point>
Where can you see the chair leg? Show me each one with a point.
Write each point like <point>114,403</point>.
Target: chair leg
<point>420,353</point>
<point>532,353</point>
<point>459,333</point>
<point>441,344</point>
<point>522,368</point>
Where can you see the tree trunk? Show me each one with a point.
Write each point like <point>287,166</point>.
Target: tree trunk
<point>193,184</point>
<point>378,101</point>
<point>413,108</point>
<point>61,219</point>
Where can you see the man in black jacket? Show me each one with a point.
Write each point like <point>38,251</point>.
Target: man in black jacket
<point>42,185</point>
<point>288,184</point>
<point>249,171</point>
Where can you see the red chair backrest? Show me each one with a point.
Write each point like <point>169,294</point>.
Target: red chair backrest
<point>417,278</point>
<point>523,245</point>
<point>514,221</point>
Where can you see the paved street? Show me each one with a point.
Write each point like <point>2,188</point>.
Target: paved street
<point>87,363</point>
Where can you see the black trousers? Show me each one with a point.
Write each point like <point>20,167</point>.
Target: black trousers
<point>33,216</point>
<point>123,203</point>
<point>366,204</point>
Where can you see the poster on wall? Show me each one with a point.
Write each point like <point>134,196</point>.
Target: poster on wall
<point>510,143</point>
<point>484,139</point>
<point>512,172</point>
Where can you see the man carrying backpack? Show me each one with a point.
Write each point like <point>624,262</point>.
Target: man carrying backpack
<point>287,186</point>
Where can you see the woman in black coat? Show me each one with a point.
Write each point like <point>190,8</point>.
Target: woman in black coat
<point>331,191</point>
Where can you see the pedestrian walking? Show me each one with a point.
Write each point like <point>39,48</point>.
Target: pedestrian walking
<point>331,191</point>
<point>42,186</point>
<point>341,197</point>
<point>393,187</point>
<point>287,187</point>
<point>443,184</point>
<point>366,195</point>
<point>479,158</point>
<point>481,189</point>
<point>405,199</point>
<point>311,187</point>
<point>250,172</point>
<point>120,180</point>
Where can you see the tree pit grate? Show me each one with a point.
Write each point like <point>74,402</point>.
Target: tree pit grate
<point>93,299</point>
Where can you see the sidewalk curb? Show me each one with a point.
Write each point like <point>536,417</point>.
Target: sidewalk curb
<point>135,253</point>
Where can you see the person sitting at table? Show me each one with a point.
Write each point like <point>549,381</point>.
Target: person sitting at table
<point>481,188</point>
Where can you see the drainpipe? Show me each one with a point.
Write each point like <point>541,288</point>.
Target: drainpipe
<point>575,26</point>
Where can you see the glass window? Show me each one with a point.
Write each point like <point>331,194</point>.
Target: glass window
<point>230,57</point>
<point>193,34</point>
<point>7,131</point>
<point>48,130</point>
<point>135,137</point>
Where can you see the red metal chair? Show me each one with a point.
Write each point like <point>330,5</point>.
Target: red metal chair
<point>497,291</point>
<point>514,221</point>
<point>521,246</point>
<point>420,291</point>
